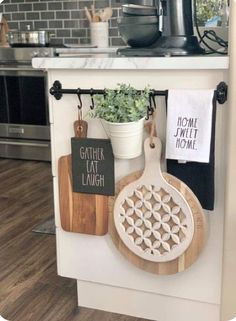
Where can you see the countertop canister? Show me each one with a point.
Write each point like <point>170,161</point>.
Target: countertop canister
<point>99,34</point>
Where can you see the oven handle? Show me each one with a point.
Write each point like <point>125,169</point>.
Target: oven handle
<point>21,70</point>
<point>17,68</point>
<point>23,144</point>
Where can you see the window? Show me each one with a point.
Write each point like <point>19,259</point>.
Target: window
<point>212,12</point>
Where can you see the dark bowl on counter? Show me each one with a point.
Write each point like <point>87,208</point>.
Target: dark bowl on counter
<point>150,3</point>
<point>134,10</point>
<point>134,20</point>
<point>139,31</point>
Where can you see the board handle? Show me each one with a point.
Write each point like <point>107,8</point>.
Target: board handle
<point>152,150</point>
<point>80,128</point>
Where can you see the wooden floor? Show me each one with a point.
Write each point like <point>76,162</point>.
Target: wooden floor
<point>30,289</point>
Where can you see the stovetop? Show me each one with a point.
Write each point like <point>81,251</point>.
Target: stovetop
<point>24,55</point>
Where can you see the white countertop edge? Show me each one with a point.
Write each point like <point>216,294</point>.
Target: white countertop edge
<point>132,63</point>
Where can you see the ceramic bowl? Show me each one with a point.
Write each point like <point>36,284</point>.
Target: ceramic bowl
<point>141,32</point>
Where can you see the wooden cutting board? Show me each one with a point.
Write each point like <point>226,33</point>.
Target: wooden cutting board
<point>80,212</point>
<point>193,251</point>
<point>151,216</point>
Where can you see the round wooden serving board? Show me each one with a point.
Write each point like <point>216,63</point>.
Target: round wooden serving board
<point>193,251</point>
<point>151,216</point>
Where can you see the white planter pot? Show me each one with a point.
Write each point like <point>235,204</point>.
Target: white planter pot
<point>126,138</point>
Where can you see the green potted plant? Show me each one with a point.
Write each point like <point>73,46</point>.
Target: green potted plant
<point>122,111</point>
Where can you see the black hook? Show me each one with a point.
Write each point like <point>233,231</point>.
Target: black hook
<point>152,105</point>
<point>92,100</point>
<point>79,97</point>
<point>80,105</point>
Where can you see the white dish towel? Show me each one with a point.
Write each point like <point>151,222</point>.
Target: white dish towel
<point>189,122</point>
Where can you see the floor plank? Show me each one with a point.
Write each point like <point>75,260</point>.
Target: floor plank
<point>30,289</point>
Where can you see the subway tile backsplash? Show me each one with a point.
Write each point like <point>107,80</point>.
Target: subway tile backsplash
<point>66,19</point>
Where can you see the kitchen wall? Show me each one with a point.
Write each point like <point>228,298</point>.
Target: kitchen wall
<point>66,19</point>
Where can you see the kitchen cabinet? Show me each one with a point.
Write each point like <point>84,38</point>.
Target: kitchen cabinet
<point>106,280</point>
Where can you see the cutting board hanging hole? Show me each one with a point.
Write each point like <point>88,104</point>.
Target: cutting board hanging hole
<point>80,128</point>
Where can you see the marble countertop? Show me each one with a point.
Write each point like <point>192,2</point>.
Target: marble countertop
<point>110,61</point>
<point>78,50</point>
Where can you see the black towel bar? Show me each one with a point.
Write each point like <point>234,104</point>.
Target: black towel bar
<point>57,91</point>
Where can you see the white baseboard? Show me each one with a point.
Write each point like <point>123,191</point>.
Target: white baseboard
<point>143,304</point>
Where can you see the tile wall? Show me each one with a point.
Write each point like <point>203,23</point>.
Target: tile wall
<point>65,19</point>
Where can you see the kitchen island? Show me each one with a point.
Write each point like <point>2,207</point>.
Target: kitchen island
<point>105,279</point>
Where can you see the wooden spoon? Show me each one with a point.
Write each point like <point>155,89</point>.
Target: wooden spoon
<point>106,14</point>
<point>88,15</point>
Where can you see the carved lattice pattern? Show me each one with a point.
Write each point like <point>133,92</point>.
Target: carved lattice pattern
<point>152,221</point>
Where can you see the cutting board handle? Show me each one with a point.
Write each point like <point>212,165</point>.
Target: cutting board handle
<point>152,158</point>
<point>80,128</point>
